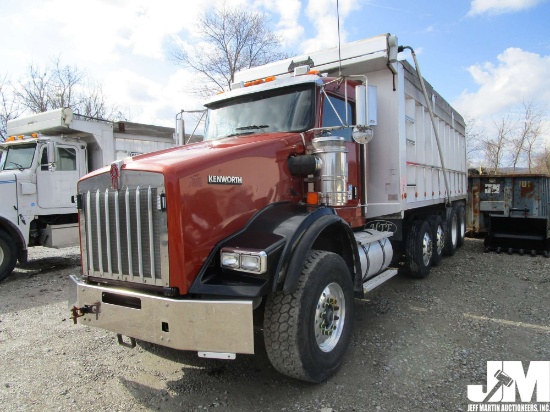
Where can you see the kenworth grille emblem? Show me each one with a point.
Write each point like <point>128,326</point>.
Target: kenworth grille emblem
<point>225,180</point>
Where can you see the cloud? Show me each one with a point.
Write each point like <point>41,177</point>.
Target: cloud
<point>517,76</point>
<point>288,26</point>
<point>99,30</point>
<point>501,6</point>
<point>323,16</point>
<point>151,101</point>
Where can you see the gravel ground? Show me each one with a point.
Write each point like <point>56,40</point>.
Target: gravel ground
<point>416,346</point>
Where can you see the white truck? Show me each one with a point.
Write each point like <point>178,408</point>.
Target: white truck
<point>318,178</point>
<point>40,165</point>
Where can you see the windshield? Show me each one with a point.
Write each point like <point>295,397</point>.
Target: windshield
<point>288,109</point>
<point>19,157</point>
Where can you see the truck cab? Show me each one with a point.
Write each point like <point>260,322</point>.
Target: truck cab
<point>39,175</point>
<point>40,165</point>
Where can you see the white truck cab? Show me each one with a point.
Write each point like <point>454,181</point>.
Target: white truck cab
<point>40,165</point>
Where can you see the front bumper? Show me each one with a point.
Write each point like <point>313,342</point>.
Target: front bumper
<point>223,326</point>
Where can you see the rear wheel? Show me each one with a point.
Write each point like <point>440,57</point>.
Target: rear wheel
<point>461,221</point>
<point>307,332</point>
<point>8,255</point>
<point>451,235</point>
<point>438,236</point>
<point>419,249</point>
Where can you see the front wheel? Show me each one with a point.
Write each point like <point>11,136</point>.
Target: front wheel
<point>8,255</point>
<point>307,332</point>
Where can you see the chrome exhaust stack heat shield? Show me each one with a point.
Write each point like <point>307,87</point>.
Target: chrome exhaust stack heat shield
<point>333,176</point>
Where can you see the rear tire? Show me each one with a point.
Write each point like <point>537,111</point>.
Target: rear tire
<point>8,255</point>
<point>451,235</point>
<point>461,221</point>
<point>438,236</point>
<point>307,332</point>
<point>419,249</point>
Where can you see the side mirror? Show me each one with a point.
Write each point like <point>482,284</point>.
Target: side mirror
<point>362,133</point>
<point>52,155</point>
<point>361,105</point>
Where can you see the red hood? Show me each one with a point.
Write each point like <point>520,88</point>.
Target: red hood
<point>195,156</point>
<point>202,211</point>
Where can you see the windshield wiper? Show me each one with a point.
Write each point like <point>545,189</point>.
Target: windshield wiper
<point>21,168</point>
<point>239,134</point>
<point>253,127</point>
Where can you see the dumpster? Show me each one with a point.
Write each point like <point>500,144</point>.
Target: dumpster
<point>511,211</point>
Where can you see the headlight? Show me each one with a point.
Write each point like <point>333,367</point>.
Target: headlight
<point>230,260</point>
<point>250,261</point>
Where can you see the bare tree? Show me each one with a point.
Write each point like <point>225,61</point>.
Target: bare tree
<point>58,85</point>
<point>235,40</point>
<point>66,82</point>
<point>541,161</point>
<point>535,118</point>
<point>34,91</point>
<point>495,147</point>
<point>527,134</point>
<point>474,141</point>
<point>9,108</point>
<point>51,87</point>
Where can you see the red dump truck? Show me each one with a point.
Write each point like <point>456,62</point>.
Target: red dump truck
<point>319,177</point>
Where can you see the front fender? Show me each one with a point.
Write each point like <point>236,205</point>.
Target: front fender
<point>286,232</point>
<point>327,232</point>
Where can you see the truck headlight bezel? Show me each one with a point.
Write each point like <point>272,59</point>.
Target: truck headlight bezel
<point>248,261</point>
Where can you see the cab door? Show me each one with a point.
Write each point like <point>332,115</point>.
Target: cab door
<point>55,188</point>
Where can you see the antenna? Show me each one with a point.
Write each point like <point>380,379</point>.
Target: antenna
<point>339,55</point>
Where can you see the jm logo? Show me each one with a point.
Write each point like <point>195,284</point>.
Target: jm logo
<point>503,378</point>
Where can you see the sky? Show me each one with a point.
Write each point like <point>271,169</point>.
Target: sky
<point>485,57</point>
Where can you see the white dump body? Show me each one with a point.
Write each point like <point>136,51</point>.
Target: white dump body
<point>404,167</point>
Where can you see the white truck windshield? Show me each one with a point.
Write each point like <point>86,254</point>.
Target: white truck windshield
<point>289,109</point>
<point>19,157</point>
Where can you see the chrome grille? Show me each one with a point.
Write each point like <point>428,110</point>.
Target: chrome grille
<point>123,233</point>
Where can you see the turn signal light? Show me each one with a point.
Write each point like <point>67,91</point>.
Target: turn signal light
<point>253,82</point>
<point>313,198</point>
<point>260,81</point>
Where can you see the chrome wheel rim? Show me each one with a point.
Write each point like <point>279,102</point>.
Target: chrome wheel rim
<point>426,249</point>
<point>330,317</point>
<point>1,256</point>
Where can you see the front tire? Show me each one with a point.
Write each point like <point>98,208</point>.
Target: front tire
<point>307,332</point>
<point>8,255</point>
